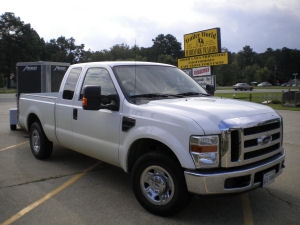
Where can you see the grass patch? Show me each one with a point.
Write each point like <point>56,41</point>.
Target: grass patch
<point>272,87</point>
<point>281,107</point>
<point>253,97</point>
<point>259,98</point>
<point>7,91</point>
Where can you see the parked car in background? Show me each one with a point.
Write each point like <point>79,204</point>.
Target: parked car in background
<point>264,84</point>
<point>242,87</point>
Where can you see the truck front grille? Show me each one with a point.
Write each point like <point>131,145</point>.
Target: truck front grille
<point>252,144</point>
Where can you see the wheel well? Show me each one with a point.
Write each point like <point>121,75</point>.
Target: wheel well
<point>31,119</point>
<point>143,146</point>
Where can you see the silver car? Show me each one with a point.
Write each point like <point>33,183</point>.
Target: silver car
<point>242,87</point>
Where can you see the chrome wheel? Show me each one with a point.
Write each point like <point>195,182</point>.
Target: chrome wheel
<point>157,185</point>
<point>36,141</point>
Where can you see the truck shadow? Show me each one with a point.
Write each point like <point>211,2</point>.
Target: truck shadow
<point>110,189</point>
<point>106,193</point>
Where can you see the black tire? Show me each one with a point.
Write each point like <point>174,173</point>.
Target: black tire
<point>13,127</point>
<point>40,146</point>
<point>158,172</point>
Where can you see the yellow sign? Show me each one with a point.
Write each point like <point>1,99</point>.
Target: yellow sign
<point>203,60</point>
<point>202,43</point>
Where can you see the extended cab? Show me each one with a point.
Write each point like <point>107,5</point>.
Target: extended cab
<point>159,125</point>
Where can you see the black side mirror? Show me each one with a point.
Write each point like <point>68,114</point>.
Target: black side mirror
<point>210,89</point>
<point>91,98</point>
<point>67,94</point>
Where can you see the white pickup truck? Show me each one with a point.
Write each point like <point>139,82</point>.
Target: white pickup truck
<point>159,125</point>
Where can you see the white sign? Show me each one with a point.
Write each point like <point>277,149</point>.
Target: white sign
<point>201,71</point>
<point>204,80</point>
<point>188,72</point>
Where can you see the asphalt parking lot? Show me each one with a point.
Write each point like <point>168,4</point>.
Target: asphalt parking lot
<point>71,188</point>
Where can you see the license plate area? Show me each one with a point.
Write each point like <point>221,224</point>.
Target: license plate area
<point>268,178</point>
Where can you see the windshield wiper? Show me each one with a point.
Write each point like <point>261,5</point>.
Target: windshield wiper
<point>150,95</point>
<point>158,95</point>
<point>193,94</point>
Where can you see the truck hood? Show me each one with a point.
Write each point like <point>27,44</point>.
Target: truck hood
<point>213,113</point>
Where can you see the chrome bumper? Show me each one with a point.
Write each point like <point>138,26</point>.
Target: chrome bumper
<point>233,181</point>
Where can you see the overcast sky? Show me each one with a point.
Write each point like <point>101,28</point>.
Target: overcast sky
<point>101,24</point>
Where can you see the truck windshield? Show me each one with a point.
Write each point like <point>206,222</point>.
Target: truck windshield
<point>154,82</point>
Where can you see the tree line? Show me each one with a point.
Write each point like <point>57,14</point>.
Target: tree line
<point>19,42</point>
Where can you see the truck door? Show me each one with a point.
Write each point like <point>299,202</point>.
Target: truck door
<point>64,109</point>
<point>96,133</point>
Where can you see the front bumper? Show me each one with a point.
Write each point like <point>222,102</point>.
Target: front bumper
<point>233,180</point>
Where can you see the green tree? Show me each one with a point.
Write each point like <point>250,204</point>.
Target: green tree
<point>246,57</point>
<point>249,73</point>
<point>168,59</point>
<point>263,74</point>
<point>63,50</point>
<point>166,45</point>
<point>229,74</point>
<point>18,42</point>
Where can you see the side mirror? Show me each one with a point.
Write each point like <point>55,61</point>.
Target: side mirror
<point>210,89</point>
<point>91,98</point>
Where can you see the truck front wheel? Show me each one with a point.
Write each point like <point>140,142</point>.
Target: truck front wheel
<point>40,146</point>
<point>158,184</point>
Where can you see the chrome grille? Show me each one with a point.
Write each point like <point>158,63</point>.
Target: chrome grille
<point>251,144</point>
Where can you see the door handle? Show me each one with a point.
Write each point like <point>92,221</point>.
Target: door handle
<point>75,114</point>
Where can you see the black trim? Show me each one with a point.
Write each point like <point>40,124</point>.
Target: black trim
<point>127,123</point>
<point>75,114</point>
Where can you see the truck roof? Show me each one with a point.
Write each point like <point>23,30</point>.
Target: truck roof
<point>121,63</point>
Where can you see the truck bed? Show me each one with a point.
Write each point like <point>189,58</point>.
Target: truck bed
<point>42,105</point>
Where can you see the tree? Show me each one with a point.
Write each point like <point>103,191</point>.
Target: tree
<point>63,50</point>
<point>246,57</point>
<point>18,42</point>
<point>263,74</point>
<point>249,73</point>
<point>166,45</point>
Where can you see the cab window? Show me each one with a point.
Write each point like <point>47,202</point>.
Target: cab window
<point>99,77</point>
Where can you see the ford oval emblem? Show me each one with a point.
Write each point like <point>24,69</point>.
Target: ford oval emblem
<point>264,140</point>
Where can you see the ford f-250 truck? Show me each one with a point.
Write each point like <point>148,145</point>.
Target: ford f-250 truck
<point>159,125</point>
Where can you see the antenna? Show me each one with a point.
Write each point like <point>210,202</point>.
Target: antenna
<point>135,81</point>
<point>135,72</point>
<point>135,54</point>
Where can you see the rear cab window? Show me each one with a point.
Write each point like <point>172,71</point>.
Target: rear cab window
<point>71,82</point>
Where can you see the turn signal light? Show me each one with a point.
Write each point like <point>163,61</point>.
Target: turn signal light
<point>202,149</point>
<point>205,151</point>
<point>84,102</point>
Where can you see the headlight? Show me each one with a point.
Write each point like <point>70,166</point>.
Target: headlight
<point>205,151</point>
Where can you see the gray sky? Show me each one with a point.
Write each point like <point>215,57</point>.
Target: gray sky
<point>101,24</point>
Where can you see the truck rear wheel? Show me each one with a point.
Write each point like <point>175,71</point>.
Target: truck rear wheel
<point>40,146</point>
<point>158,184</point>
